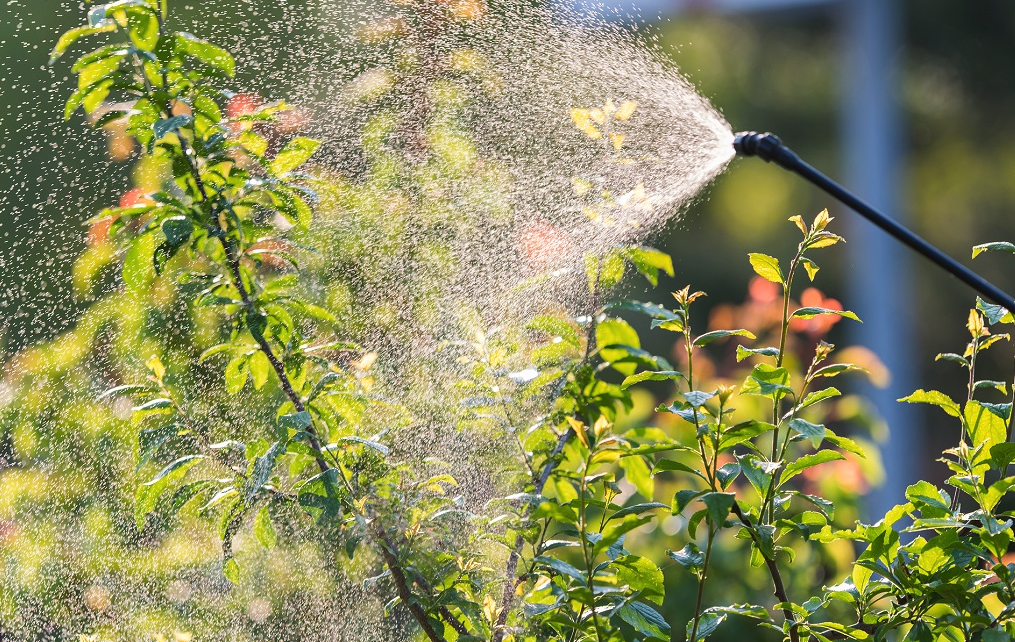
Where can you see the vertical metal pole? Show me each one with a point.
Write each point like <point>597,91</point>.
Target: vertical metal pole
<point>881,285</point>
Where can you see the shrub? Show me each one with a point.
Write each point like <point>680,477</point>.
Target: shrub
<point>282,440</point>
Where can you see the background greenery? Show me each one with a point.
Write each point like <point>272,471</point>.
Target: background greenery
<point>766,74</point>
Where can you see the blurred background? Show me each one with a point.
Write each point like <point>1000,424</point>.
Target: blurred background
<point>908,103</point>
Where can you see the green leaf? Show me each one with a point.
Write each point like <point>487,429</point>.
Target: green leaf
<point>1002,454</point>
<point>727,473</point>
<point>214,56</point>
<point>295,422</point>
<point>321,498</point>
<point>651,310</point>
<point>560,512</point>
<point>152,405</point>
<point>667,465</point>
<point>697,398</point>
<point>994,313</point>
<point>690,557</point>
<point>88,98</point>
<point>810,313</point>
<point>662,375</point>
<point>649,262</point>
<point>767,381</point>
<point>924,494</point>
<point>556,327</point>
<point>259,367</point>
<point>262,469</point>
<point>1000,386</point>
<point>636,509</point>
<point>707,624</point>
<point>671,325</point>
<point>236,374</point>
<point>993,247</point>
<point>682,498</point>
<point>767,267</point>
<point>718,505</point>
<point>644,619</point>
<point>836,369</point>
<point>143,29</point>
<point>231,571</point>
<point>560,567</point>
<point>935,398</point>
<point>252,142</point>
<point>263,529</point>
<point>177,229</point>
<point>165,126</point>
<point>617,332</point>
<point>743,353</point>
<point>611,271</point>
<point>995,635</point>
<point>951,356</point>
<point>138,264</point>
<point>845,443</point>
<point>150,440</point>
<point>291,206</point>
<point>818,396</point>
<point>742,432</point>
<point>709,337</point>
<point>759,472</point>
<point>810,266</point>
<point>379,447</point>
<point>637,472</point>
<point>70,37</point>
<point>640,574</point>
<point>814,432</point>
<point>148,494</point>
<point>295,153</point>
<point>986,429</point>
<point>124,389</point>
<point>808,461</point>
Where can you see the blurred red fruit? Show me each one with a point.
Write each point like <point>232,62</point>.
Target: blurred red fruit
<point>98,232</point>
<point>761,290</point>
<point>134,197</point>
<point>243,105</point>
<point>541,244</point>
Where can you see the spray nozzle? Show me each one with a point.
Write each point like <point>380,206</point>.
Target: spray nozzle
<point>767,147</point>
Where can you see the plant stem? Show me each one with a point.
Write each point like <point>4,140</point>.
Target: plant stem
<point>975,345</point>
<point>701,585</point>
<point>773,570</point>
<point>586,554</point>
<point>401,586</point>
<point>445,612</point>
<point>507,597</point>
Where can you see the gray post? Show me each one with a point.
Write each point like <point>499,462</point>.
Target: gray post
<point>880,286</point>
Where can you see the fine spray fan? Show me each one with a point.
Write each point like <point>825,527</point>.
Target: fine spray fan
<point>769,148</point>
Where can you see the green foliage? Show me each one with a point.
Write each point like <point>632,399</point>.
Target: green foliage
<point>584,487</point>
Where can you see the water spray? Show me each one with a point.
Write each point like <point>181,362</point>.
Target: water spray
<point>768,147</point>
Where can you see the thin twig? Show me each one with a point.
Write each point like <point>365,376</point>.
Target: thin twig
<point>773,570</point>
<point>507,598</point>
<point>401,586</point>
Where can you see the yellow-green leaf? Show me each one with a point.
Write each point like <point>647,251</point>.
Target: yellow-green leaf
<point>767,267</point>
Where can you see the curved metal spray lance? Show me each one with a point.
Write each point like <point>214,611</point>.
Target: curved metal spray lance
<point>769,148</point>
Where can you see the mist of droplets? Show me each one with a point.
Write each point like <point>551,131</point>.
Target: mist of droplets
<point>524,138</point>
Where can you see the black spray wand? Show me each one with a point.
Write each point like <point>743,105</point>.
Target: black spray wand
<point>769,148</point>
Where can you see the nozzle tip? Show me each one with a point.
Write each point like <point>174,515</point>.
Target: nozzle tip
<point>753,143</point>
<point>766,146</point>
